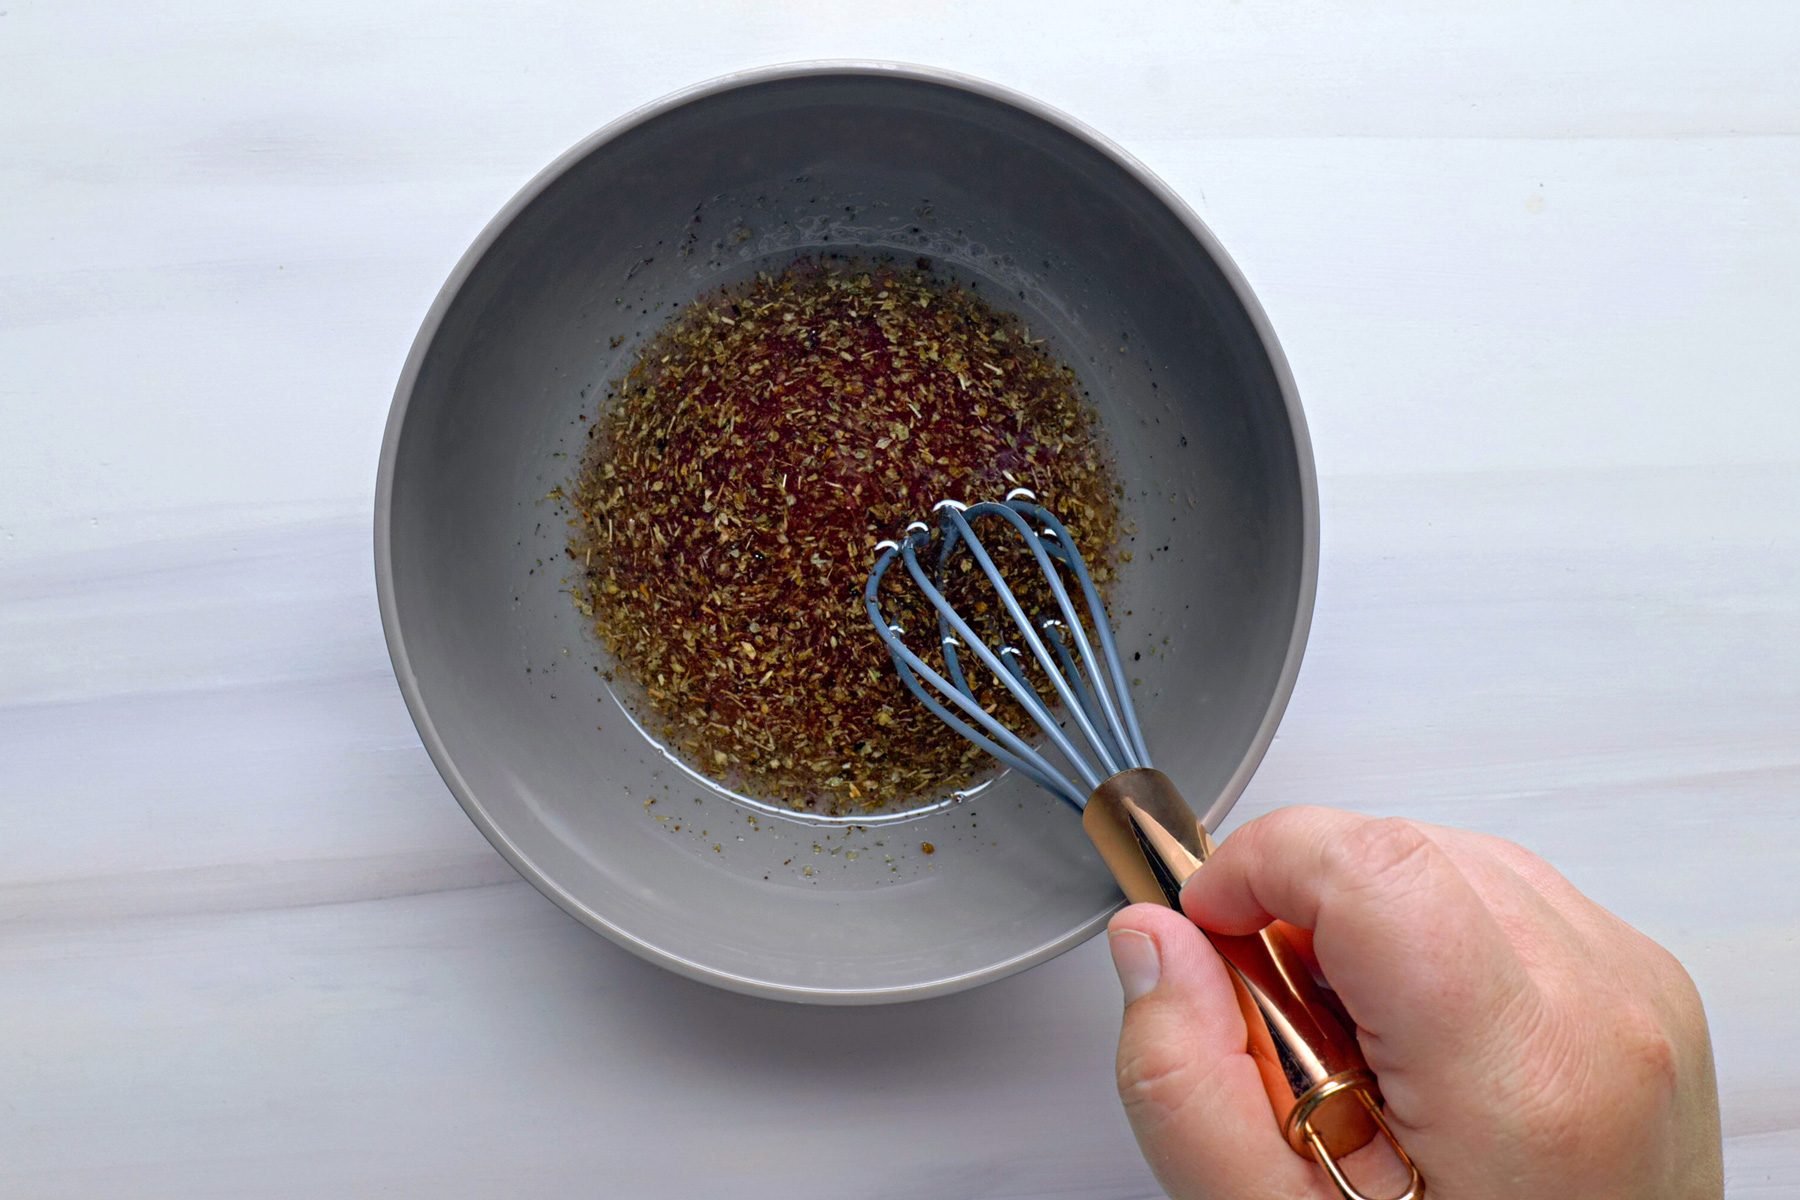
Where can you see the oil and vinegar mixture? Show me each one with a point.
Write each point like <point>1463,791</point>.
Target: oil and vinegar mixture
<point>737,479</point>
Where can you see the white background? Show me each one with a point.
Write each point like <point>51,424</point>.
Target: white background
<point>1537,269</point>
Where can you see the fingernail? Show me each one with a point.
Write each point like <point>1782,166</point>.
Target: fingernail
<point>1135,959</point>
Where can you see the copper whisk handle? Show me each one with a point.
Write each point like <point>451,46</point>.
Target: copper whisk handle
<point>1323,1093</point>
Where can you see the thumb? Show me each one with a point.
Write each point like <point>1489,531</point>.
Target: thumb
<point>1193,1096</point>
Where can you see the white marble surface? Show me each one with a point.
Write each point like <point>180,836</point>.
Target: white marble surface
<point>1537,269</point>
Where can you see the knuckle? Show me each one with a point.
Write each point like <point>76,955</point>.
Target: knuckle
<point>1293,818</point>
<point>1582,1089</point>
<point>1647,1052</point>
<point>1518,857</point>
<point>1155,1081</point>
<point>1281,826</point>
<point>1671,989</point>
<point>1387,853</point>
<point>1677,986</point>
<point>1534,869</point>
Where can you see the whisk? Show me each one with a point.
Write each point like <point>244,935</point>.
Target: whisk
<point>1069,682</point>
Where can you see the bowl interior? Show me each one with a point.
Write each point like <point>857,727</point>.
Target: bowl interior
<point>503,677</point>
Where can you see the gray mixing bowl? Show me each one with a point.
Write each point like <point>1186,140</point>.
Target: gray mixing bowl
<point>702,189</point>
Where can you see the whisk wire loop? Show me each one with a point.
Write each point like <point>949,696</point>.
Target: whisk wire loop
<point>959,520</point>
<point>1125,713</point>
<point>1025,761</point>
<point>1087,685</point>
<point>1054,631</point>
<point>987,731</point>
<point>1025,695</point>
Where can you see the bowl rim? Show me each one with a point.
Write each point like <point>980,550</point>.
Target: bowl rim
<point>395,636</point>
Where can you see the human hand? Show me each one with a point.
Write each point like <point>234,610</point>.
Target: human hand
<point>1528,1042</point>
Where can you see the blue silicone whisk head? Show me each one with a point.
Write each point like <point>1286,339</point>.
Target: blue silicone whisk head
<point>1101,737</point>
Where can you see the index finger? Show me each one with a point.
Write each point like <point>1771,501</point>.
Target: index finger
<point>1416,956</point>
